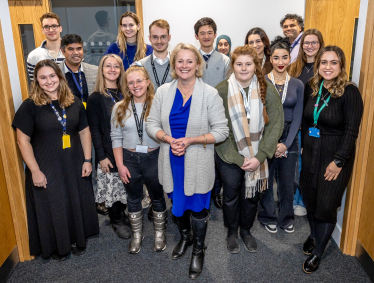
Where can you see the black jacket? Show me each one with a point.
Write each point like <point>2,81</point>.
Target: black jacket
<point>99,123</point>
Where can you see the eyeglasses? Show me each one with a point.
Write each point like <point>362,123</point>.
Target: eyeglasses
<point>156,38</point>
<point>313,43</point>
<point>138,82</point>
<point>53,27</point>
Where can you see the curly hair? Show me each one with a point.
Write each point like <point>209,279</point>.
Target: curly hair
<point>340,82</point>
<point>280,42</point>
<point>296,67</point>
<point>193,49</point>
<point>249,50</point>
<point>123,108</point>
<point>296,17</point>
<point>263,36</point>
<point>37,94</point>
<point>141,47</point>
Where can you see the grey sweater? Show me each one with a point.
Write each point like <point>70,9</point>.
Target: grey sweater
<point>207,115</point>
<point>218,65</point>
<point>160,70</point>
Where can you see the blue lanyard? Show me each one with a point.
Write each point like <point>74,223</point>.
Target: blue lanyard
<point>61,120</point>
<point>316,113</point>
<point>295,43</point>
<point>111,96</point>
<point>80,84</point>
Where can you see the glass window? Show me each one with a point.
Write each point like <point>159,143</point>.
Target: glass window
<point>28,44</point>
<point>96,21</point>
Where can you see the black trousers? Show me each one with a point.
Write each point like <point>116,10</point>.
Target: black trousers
<point>143,169</point>
<point>237,210</point>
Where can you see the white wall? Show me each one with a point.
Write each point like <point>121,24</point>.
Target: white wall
<point>233,18</point>
<point>355,78</point>
<point>10,53</point>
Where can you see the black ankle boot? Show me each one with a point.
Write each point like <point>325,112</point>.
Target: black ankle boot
<point>309,246</point>
<point>184,226</point>
<point>311,264</point>
<point>199,227</point>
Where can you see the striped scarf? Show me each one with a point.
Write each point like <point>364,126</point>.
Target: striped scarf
<point>248,137</point>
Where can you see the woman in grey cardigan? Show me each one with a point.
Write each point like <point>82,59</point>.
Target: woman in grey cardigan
<point>188,116</point>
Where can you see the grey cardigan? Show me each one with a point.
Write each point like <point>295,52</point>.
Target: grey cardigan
<point>207,115</point>
<point>90,72</point>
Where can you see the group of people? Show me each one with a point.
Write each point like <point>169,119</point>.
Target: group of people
<point>186,123</point>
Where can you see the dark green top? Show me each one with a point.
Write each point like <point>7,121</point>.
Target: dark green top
<point>228,150</point>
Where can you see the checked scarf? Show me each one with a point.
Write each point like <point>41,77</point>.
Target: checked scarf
<point>248,137</point>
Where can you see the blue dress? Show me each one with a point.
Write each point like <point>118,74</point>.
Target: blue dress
<point>178,124</point>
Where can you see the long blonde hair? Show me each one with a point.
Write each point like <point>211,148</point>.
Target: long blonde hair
<point>339,83</point>
<point>100,80</point>
<point>37,94</point>
<point>296,67</point>
<point>123,110</point>
<point>141,47</point>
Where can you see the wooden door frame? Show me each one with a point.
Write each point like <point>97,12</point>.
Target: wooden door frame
<point>11,158</point>
<point>356,188</point>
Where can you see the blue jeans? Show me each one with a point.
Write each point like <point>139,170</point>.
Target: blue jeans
<point>283,170</point>
<point>143,169</point>
<point>298,198</point>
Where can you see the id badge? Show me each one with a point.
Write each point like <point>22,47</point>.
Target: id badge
<point>66,141</point>
<point>142,148</point>
<point>314,132</point>
<point>85,105</point>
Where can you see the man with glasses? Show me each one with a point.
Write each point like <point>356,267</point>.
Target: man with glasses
<point>50,48</point>
<point>293,27</point>
<point>158,63</point>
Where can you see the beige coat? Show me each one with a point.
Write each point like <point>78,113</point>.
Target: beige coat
<point>207,115</point>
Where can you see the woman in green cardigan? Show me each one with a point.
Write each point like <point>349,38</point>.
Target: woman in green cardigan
<point>255,118</point>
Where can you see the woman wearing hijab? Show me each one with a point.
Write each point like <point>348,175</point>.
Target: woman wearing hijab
<point>223,45</point>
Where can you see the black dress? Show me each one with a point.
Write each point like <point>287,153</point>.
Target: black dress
<point>339,124</point>
<point>64,212</point>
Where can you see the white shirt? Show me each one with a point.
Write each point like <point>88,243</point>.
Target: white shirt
<point>203,53</point>
<point>159,60</point>
<point>67,70</point>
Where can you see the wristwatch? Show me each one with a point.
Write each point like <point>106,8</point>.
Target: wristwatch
<point>338,163</point>
<point>88,160</point>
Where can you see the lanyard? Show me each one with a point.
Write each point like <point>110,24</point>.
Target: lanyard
<point>80,84</point>
<point>246,99</point>
<point>295,43</point>
<point>263,61</point>
<point>139,124</point>
<point>284,94</point>
<point>316,113</point>
<point>61,120</point>
<point>155,73</point>
<point>127,57</point>
<point>111,96</point>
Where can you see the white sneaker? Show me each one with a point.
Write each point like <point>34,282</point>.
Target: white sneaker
<point>271,228</point>
<point>300,211</point>
<point>290,229</point>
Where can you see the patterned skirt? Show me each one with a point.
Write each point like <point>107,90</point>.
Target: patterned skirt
<point>109,189</point>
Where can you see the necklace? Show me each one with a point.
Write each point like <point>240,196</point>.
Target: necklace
<point>307,70</point>
<point>279,87</point>
<point>186,93</point>
<point>323,96</point>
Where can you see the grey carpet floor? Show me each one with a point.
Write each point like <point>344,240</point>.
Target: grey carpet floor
<point>279,258</point>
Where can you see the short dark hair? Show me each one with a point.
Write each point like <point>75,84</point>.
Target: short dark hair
<point>101,18</point>
<point>49,15</point>
<point>280,43</point>
<point>296,17</point>
<point>69,39</point>
<point>205,22</point>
